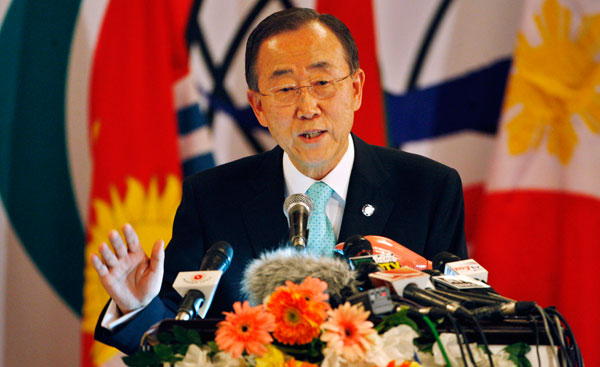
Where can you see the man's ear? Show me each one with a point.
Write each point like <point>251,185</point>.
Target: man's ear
<point>256,103</point>
<point>358,82</point>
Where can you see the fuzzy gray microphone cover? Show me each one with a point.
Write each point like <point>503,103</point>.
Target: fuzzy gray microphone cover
<point>273,268</point>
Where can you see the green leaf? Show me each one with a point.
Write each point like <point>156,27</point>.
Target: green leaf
<point>516,353</point>
<point>398,318</point>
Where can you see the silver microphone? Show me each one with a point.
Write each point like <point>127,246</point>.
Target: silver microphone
<point>297,209</point>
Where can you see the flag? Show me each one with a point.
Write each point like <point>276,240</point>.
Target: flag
<point>140,56</point>
<point>44,237</point>
<point>539,228</point>
<point>369,119</point>
<point>106,79</point>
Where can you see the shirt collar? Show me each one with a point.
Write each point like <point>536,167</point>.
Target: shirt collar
<point>337,179</point>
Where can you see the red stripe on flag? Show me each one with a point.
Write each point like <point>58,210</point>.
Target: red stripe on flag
<point>543,246</point>
<point>140,54</point>
<point>473,197</point>
<point>369,123</point>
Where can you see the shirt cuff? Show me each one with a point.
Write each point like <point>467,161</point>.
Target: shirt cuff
<point>113,318</point>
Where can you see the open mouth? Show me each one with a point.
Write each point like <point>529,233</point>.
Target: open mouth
<point>312,134</point>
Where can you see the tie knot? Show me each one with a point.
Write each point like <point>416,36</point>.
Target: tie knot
<point>319,193</point>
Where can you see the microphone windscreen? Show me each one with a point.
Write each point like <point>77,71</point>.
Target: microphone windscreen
<point>296,201</point>
<point>274,268</point>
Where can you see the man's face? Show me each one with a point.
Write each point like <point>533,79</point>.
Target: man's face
<point>314,132</point>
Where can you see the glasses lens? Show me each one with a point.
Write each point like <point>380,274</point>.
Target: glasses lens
<point>323,89</point>
<point>286,95</point>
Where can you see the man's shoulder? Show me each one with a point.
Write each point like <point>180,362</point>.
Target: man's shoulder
<point>238,170</point>
<point>408,164</point>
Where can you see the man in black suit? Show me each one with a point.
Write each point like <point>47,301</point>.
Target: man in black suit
<point>304,85</point>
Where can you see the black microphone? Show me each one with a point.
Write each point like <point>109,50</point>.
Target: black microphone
<point>521,308</point>
<point>214,263</point>
<point>297,209</point>
<point>428,298</point>
<point>218,257</point>
<point>357,245</point>
<point>441,259</point>
<point>470,300</point>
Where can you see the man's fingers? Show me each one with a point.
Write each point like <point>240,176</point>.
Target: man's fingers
<point>101,269</point>
<point>117,243</point>
<point>131,237</point>
<point>158,256</point>
<point>107,255</point>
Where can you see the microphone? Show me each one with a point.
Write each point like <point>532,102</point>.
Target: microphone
<point>442,258</point>
<point>408,283</point>
<point>356,245</point>
<point>274,268</point>
<point>451,264</point>
<point>521,308</point>
<point>428,298</point>
<point>297,209</point>
<point>386,248</point>
<point>198,287</point>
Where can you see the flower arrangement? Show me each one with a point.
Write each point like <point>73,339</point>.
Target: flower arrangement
<point>296,327</point>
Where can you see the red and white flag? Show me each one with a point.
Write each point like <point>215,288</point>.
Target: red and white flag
<point>539,229</point>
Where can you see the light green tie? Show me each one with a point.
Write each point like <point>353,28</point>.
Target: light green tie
<point>321,239</point>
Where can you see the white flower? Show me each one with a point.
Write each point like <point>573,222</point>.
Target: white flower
<point>395,344</point>
<point>224,359</point>
<point>332,359</point>
<point>194,357</point>
<point>501,359</point>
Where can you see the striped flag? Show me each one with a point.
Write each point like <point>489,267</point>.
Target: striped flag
<point>539,232</point>
<point>97,106</point>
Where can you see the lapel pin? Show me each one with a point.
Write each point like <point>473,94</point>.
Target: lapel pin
<point>368,210</point>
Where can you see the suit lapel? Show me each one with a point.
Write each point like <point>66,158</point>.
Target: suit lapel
<point>366,188</point>
<point>265,222</point>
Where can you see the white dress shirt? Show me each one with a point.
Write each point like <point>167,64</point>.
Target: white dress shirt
<point>337,179</point>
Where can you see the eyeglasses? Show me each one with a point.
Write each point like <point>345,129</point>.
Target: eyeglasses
<point>288,94</point>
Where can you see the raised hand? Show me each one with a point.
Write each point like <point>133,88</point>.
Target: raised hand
<point>128,275</point>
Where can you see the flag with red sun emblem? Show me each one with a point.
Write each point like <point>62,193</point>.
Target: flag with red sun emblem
<point>540,213</point>
<point>140,55</point>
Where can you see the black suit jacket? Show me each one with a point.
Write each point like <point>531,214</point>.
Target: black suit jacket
<point>418,203</point>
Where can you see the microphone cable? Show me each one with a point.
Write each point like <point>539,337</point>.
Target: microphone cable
<point>486,346</point>
<point>569,333</point>
<point>548,333</point>
<point>555,325</point>
<point>559,335</point>
<point>460,334</point>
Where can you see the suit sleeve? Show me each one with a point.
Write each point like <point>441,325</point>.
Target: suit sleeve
<point>448,230</point>
<point>184,253</point>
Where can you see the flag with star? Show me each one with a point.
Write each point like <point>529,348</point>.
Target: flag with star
<point>540,211</point>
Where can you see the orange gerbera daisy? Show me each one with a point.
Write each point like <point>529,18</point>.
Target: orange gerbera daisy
<point>348,333</point>
<point>297,319</point>
<point>313,289</point>
<point>247,328</point>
